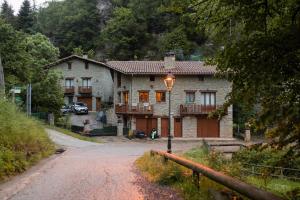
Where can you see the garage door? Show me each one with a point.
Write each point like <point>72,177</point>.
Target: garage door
<point>164,127</point>
<point>177,127</point>
<point>87,100</point>
<point>146,124</point>
<point>207,127</point>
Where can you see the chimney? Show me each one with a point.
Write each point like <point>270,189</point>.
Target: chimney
<point>85,56</point>
<point>169,60</point>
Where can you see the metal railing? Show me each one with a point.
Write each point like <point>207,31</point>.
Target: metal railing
<point>243,188</point>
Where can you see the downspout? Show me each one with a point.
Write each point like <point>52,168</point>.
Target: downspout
<point>131,99</point>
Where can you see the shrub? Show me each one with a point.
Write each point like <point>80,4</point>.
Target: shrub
<point>23,141</point>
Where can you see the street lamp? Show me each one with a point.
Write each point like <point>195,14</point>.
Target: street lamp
<point>169,82</point>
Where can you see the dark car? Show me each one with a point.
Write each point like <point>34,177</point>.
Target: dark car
<point>80,108</point>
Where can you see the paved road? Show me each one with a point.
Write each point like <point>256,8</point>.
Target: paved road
<point>86,171</point>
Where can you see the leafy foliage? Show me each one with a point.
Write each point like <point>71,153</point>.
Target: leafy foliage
<point>71,24</point>
<point>261,42</point>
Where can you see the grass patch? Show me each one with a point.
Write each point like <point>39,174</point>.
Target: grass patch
<point>75,135</point>
<point>180,178</point>
<point>23,141</point>
<point>169,173</point>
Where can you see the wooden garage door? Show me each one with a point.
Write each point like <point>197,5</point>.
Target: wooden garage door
<point>177,127</point>
<point>164,127</point>
<point>88,101</point>
<point>207,127</point>
<point>146,124</point>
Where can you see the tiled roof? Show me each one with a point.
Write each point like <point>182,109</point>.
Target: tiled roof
<point>75,57</point>
<point>157,67</point>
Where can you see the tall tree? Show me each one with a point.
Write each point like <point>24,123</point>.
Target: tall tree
<point>25,20</point>
<point>2,82</point>
<point>7,13</point>
<point>261,57</point>
<point>70,24</point>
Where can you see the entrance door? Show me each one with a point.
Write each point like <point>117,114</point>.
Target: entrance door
<point>177,127</point>
<point>164,127</point>
<point>87,100</point>
<point>207,127</point>
<point>98,103</point>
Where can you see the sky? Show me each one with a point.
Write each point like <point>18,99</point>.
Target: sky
<point>16,4</point>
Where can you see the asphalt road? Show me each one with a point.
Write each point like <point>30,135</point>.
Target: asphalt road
<point>85,171</point>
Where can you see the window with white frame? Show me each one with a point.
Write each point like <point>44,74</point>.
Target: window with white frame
<point>69,83</point>
<point>86,82</point>
<point>208,98</point>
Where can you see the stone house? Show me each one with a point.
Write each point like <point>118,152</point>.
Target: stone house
<point>85,80</point>
<point>141,98</point>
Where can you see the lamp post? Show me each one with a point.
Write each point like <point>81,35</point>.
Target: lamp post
<point>169,82</point>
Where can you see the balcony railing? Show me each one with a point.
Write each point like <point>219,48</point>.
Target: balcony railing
<point>85,89</point>
<point>137,109</point>
<point>69,90</point>
<point>195,109</point>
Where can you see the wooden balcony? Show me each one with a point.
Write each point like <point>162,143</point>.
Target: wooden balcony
<point>194,109</point>
<point>134,109</point>
<point>85,89</point>
<point>69,90</point>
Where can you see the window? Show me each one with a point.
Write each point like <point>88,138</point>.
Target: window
<point>86,65</point>
<point>119,97</point>
<point>160,96</point>
<point>119,79</point>
<point>208,98</point>
<point>69,65</point>
<point>152,78</point>
<point>144,96</point>
<point>125,97</point>
<point>69,82</point>
<point>190,97</point>
<point>201,78</point>
<point>86,82</point>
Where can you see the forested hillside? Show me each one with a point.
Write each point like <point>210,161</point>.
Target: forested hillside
<point>115,29</point>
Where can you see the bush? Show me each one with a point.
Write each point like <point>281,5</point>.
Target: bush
<point>23,141</point>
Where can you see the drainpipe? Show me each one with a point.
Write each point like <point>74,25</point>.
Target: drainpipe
<point>131,99</point>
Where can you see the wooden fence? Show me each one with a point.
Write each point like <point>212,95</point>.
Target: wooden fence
<point>243,188</point>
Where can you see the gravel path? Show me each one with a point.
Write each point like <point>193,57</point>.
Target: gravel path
<point>89,171</point>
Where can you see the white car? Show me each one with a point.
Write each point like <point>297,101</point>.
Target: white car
<point>80,108</point>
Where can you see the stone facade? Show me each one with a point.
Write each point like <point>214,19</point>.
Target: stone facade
<point>135,83</point>
<point>100,75</point>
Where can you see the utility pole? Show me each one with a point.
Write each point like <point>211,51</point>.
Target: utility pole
<point>28,99</point>
<point>2,82</point>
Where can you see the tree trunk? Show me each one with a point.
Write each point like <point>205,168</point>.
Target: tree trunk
<point>2,82</point>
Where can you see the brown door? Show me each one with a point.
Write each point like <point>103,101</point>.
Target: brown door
<point>98,103</point>
<point>146,124</point>
<point>141,124</point>
<point>177,127</point>
<point>207,127</point>
<point>164,127</point>
<point>87,100</point>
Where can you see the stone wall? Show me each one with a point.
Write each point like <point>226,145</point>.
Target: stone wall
<point>178,96</point>
<point>102,83</point>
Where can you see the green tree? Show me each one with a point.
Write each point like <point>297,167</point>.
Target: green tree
<point>7,13</point>
<point>261,57</point>
<point>123,36</point>
<point>25,19</point>
<point>71,23</point>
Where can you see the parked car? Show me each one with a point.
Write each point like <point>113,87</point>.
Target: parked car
<point>80,108</point>
<point>65,109</point>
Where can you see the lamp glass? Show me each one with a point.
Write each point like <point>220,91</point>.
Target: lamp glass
<point>169,81</point>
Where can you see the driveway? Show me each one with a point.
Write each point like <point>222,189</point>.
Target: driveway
<point>88,171</point>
